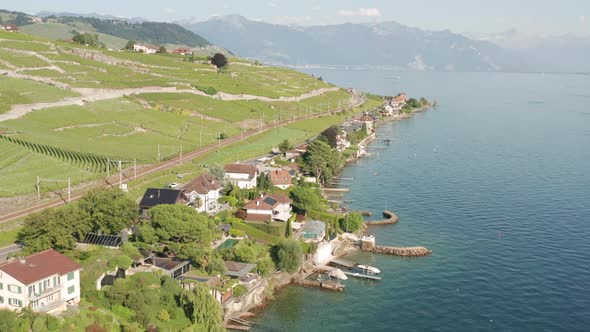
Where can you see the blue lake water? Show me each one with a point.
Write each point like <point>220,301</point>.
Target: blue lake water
<point>496,182</point>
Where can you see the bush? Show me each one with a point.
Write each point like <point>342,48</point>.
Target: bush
<point>240,290</point>
<point>208,90</point>
<point>233,202</point>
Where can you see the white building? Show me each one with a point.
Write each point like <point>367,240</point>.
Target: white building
<point>269,207</point>
<point>45,282</point>
<point>146,48</point>
<point>241,175</point>
<point>203,192</point>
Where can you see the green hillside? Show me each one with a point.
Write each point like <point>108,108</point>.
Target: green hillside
<point>60,31</point>
<point>74,108</point>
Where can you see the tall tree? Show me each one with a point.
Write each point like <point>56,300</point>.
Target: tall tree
<point>108,210</point>
<point>289,255</point>
<point>181,224</point>
<point>285,146</point>
<point>305,198</point>
<point>202,309</point>
<point>217,171</point>
<point>219,60</point>
<point>54,228</point>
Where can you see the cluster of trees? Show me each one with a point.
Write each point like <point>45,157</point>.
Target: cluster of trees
<point>322,160</point>
<point>148,301</point>
<point>88,39</point>
<point>247,251</point>
<point>351,222</point>
<point>413,103</point>
<point>285,146</point>
<point>105,210</point>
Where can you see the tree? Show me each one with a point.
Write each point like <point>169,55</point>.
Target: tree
<point>8,320</point>
<point>321,161</point>
<point>424,101</point>
<point>181,224</point>
<point>201,308</point>
<point>352,222</point>
<point>108,210</point>
<point>162,50</point>
<point>329,135</point>
<point>129,45</point>
<point>219,60</point>
<point>288,255</point>
<point>285,146</point>
<point>217,171</point>
<point>305,198</point>
<point>262,183</point>
<point>53,228</point>
<point>88,39</point>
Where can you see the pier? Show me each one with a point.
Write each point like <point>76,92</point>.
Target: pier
<point>325,284</point>
<point>343,262</point>
<point>402,251</point>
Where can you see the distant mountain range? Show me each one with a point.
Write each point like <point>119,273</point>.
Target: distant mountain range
<point>390,44</point>
<point>386,44</point>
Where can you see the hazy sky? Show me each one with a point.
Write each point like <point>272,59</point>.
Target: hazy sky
<point>471,16</point>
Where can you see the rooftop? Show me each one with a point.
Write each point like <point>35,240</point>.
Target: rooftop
<point>241,169</point>
<point>39,266</point>
<point>280,177</point>
<point>157,196</point>
<point>238,269</point>
<point>203,184</point>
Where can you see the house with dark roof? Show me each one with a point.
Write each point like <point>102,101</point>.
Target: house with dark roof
<point>269,207</point>
<point>241,175</point>
<point>203,192</point>
<point>238,270</point>
<point>280,178</point>
<point>158,196</point>
<point>45,282</point>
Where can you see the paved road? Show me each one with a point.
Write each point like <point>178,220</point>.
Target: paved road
<point>357,100</point>
<point>5,251</point>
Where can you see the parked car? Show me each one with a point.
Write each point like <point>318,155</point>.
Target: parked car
<point>173,185</point>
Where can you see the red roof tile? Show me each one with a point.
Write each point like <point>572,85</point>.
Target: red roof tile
<point>39,266</point>
<point>280,177</point>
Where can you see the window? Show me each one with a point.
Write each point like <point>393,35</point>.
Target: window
<point>31,290</point>
<point>71,289</point>
<point>1,286</point>
<point>70,275</point>
<point>15,302</point>
<point>15,289</point>
<point>46,284</point>
<point>1,299</point>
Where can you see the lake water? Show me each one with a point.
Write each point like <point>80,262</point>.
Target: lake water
<point>496,182</point>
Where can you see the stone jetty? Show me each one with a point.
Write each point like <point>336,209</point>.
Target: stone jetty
<point>401,251</point>
<point>392,218</point>
<point>328,284</point>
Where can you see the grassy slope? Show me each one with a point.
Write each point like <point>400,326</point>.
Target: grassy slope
<point>124,128</point>
<point>16,91</point>
<point>55,31</point>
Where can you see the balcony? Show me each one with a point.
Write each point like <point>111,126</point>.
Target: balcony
<point>49,306</point>
<point>45,292</point>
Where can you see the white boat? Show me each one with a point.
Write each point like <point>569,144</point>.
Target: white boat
<point>369,269</point>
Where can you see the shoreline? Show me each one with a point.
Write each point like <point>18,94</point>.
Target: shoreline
<point>254,309</point>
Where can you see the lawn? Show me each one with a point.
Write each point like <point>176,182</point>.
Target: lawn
<point>8,237</point>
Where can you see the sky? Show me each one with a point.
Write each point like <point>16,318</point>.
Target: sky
<point>537,17</point>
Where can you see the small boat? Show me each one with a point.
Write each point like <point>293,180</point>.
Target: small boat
<point>387,140</point>
<point>369,269</point>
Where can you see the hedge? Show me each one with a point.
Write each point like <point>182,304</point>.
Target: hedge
<point>274,228</point>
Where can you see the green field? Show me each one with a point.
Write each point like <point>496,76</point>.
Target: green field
<point>15,91</point>
<point>63,31</point>
<point>79,141</point>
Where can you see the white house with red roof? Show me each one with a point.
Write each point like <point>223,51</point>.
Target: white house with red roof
<point>241,175</point>
<point>45,282</point>
<point>269,207</point>
<point>203,192</point>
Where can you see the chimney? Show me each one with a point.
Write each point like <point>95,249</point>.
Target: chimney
<point>158,193</point>
<point>257,203</point>
<point>23,261</point>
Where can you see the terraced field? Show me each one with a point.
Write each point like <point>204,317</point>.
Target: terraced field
<point>68,110</point>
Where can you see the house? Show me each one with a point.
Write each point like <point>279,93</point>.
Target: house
<point>146,48</point>
<point>241,175</point>
<point>280,179</point>
<point>182,51</point>
<point>157,196</point>
<point>292,155</point>
<point>9,27</point>
<point>45,282</point>
<point>218,287</point>
<point>203,192</point>
<point>341,142</point>
<point>238,270</point>
<point>269,207</point>
<point>352,126</point>
<point>313,231</point>
<point>400,99</point>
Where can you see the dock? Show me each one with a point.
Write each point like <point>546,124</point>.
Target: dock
<point>343,262</point>
<point>361,275</point>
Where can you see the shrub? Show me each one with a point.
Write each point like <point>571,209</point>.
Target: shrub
<point>240,290</point>
<point>236,232</point>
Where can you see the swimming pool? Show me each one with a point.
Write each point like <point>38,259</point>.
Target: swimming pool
<point>228,243</point>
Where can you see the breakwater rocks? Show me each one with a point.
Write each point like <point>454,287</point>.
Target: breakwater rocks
<point>402,251</point>
<point>392,218</point>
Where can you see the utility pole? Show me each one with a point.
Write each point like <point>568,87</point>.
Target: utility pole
<point>69,190</point>
<point>38,187</point>
<point>181,154</point>
<point>108,167</point>
<point>158,152</point>
<point>120,174</point>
